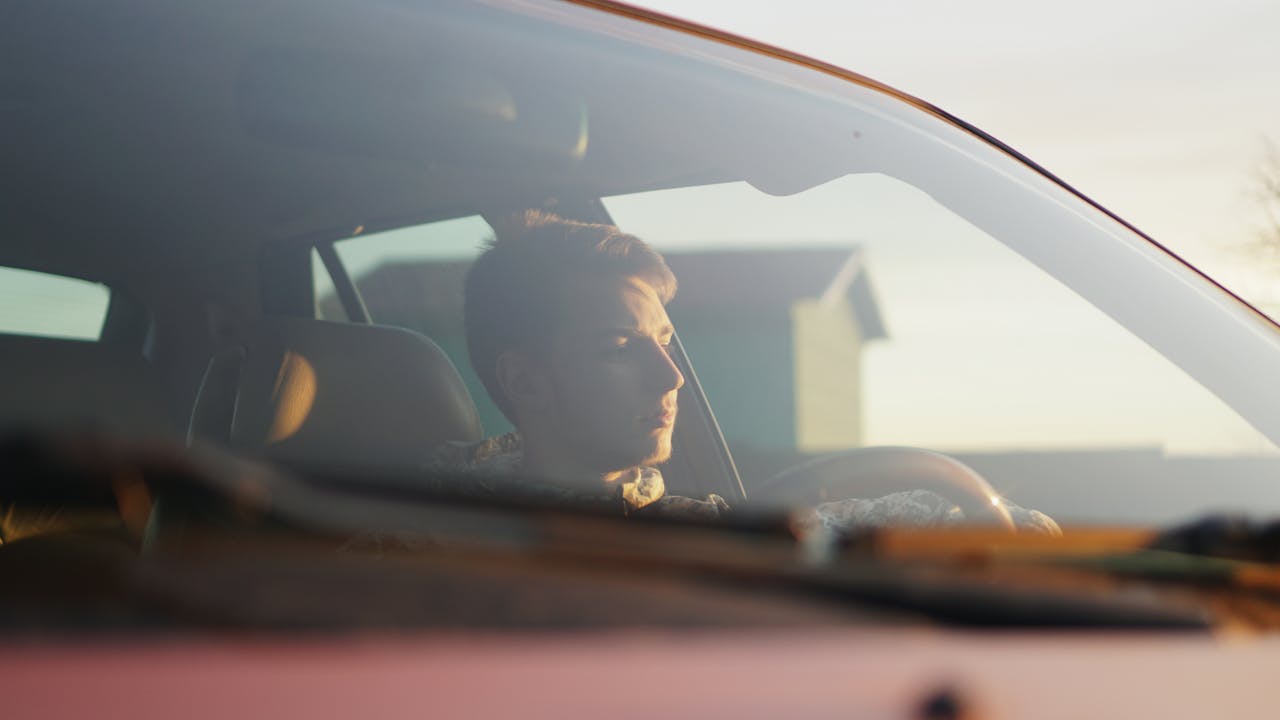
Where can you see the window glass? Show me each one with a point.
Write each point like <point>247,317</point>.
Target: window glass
<point>34,303</point>
<point>412,277</point>
<point>854,271</point>
<point>862,312</point>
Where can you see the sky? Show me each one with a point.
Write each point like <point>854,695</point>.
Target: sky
<point>1158,110</point>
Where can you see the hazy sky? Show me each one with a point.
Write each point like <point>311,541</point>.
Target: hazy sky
<point>1157,110</point>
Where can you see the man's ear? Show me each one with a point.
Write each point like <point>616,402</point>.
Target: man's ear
<point>524,382</point>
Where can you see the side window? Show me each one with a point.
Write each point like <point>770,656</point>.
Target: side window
<point>35,303</point>
<point>412,277</point>
<point>862,312</point>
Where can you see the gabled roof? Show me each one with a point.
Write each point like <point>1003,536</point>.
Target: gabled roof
<point>777,277</point>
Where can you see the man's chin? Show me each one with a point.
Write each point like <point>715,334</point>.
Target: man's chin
<point>660,454</point>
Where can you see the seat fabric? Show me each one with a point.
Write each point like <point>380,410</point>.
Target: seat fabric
<point>336,398</point>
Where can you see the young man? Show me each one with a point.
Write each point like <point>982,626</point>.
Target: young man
<point>566,327</point>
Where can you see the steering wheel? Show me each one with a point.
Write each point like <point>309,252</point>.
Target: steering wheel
<point>878,471</point>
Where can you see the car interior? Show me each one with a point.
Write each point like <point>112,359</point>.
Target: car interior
<point>195,186</point>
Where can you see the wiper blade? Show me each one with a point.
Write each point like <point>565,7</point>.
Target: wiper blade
<point>1228,537</point>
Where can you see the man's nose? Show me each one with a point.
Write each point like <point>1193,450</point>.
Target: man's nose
<point>666,374</point>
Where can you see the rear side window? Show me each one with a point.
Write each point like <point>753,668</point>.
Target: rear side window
<point>35,303</point>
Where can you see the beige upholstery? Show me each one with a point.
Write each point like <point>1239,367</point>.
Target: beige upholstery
<point>336,397</point>
<point>54,384</point>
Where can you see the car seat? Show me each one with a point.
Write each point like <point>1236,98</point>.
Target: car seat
<point>332,398</point>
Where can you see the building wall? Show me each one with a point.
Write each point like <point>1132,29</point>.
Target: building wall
<point>744,363</point>
<point>828,372</point>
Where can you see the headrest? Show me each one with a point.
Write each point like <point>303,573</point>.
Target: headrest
<point>338,397</point>
<point>60,385</point>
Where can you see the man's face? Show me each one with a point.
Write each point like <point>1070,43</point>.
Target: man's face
<point>614,385</point>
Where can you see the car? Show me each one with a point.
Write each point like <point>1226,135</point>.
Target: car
<point>234,341</point>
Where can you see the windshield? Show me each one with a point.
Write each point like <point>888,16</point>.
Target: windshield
<point>856,273</point>
<point>543,256</point>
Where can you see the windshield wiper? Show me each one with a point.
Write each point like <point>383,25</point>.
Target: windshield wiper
<point>1229,537</point>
